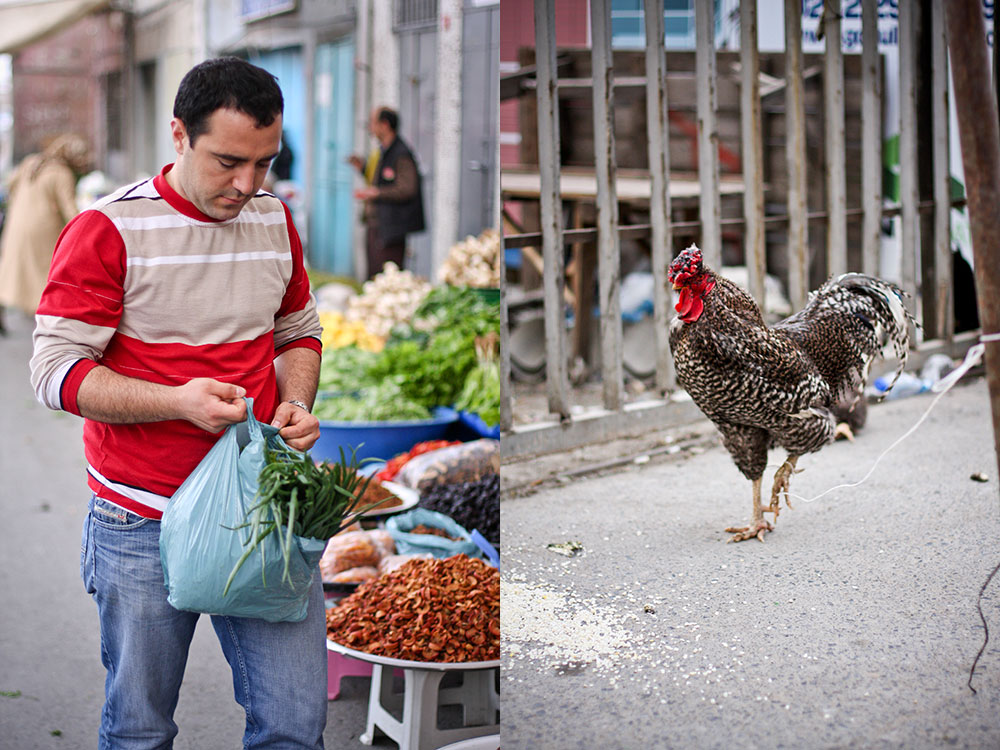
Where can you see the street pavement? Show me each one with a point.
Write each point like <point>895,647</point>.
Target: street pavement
<point>51,677</point>
<point>853,626</point>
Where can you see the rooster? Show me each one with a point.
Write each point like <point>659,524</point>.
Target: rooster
<point>762,386</point>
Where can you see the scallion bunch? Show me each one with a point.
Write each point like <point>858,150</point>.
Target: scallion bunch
<point>297,497</point>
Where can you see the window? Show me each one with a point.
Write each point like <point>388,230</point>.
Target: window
<point>628,28</point>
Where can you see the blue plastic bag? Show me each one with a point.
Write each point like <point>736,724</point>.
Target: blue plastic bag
<point>199,546</point>
<point>399,527</point>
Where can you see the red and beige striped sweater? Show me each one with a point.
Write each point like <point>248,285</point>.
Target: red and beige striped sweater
<point>145,284</point>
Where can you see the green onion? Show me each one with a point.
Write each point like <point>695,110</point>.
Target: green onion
<point>297,497</point>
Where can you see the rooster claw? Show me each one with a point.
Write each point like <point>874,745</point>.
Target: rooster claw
<point>742,533</point>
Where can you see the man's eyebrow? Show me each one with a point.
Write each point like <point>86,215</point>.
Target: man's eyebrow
<point>241,159</point>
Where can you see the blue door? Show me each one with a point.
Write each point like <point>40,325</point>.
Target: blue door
<point>331,219</point>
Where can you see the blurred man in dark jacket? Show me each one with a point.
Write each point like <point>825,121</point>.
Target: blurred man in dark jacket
<point>394,204</point>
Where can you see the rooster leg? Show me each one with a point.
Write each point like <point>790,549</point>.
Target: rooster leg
<point>757,525</point>
<point>780,487</point>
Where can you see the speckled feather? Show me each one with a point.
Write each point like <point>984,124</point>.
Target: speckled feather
<point>779,386</point>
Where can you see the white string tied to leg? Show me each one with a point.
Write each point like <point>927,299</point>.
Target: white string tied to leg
<point>972,358</point>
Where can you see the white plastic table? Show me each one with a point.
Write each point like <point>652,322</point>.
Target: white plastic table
<point>422,695</point>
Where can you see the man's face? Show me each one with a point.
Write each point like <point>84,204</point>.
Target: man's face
<point>227,164</point>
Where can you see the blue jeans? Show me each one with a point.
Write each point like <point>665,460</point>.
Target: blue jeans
<point>279,669</point>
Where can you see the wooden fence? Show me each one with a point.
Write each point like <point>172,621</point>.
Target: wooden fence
<point>931,302</point>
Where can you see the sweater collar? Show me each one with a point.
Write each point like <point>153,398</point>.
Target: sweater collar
<point>174,199</point>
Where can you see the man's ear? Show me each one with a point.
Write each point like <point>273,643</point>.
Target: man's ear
<point>178,133</point>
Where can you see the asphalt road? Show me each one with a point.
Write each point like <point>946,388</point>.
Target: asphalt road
<point>51,677</point>
<point>854,626</point>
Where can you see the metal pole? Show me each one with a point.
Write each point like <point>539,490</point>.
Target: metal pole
<point>871,139</point>
<point>608,249</point>
<point>833,115</point>
<point>795,152</point>
<point>753,153</point>
<point>979,132</point>
<point>553,276</point>
<point>708,135</point>
<point>658,135</point>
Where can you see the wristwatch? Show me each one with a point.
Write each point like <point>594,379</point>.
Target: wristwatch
<point>299,404</point>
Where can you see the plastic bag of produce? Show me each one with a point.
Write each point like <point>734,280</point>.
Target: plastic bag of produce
<point>199,547</point>
<point>457,541</point>
<point>466,462</point>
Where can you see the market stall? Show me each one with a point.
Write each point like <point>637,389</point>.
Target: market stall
<point>409,386</point>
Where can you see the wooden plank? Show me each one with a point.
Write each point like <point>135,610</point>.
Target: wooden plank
<point>708,135</point>
<point>658,136</point>
<point>795,154</point>
<point>908,185</point>
<point>601,425</point>
<point>833,120</point>
<point>608,247</point>
<point>753,153</point>
<point>943,315</point>
<point>871,140</point>
<point>506,393</point>
<point>576,183</point>
<point>553,279</point>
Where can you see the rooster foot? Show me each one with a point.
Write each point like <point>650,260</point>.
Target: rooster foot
<point>755,529</point>
<point>844,431</point>
<point>780,487</point>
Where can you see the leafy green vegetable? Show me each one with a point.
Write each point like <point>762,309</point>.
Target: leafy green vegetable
<point>481,392</point>
<point>344,370</point>
<point>423,365</point>
<point>431,375</point>
<point>452,307</point>
<point>384,402</point>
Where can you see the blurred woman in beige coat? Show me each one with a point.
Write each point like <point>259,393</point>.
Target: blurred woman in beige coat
<point>42,200</point>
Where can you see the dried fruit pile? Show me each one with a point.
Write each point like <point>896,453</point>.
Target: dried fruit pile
<point>426,610</point>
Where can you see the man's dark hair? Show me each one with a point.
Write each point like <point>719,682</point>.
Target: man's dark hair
<point>226,83</point>
<point>390,117</point>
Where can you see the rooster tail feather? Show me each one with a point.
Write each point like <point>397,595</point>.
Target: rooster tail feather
<point>891,320</point>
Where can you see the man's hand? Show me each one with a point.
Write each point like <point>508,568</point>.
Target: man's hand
<point>297,427</point>
<point>367,193</point>
<point>211,404</point>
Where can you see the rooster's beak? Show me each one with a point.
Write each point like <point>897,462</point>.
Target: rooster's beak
<point>677,287</point>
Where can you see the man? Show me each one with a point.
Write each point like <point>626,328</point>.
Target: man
<point>395,205</point>
<point>168,302</point>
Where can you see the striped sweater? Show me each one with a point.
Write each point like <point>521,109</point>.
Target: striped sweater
<point>148,286</point>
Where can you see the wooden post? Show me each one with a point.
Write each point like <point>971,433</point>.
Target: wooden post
<point>553,280</point>
<point>753,154</point>
<point>871,139</point>
<point>608,248</point>
<point>908,184</point>
<point>657,133</point>
<point>506,395</point>
<point>979,132</point>
<point>943,313</point>
<point>833,118</point>
<point>795,152</point>
<point>708,136</point>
